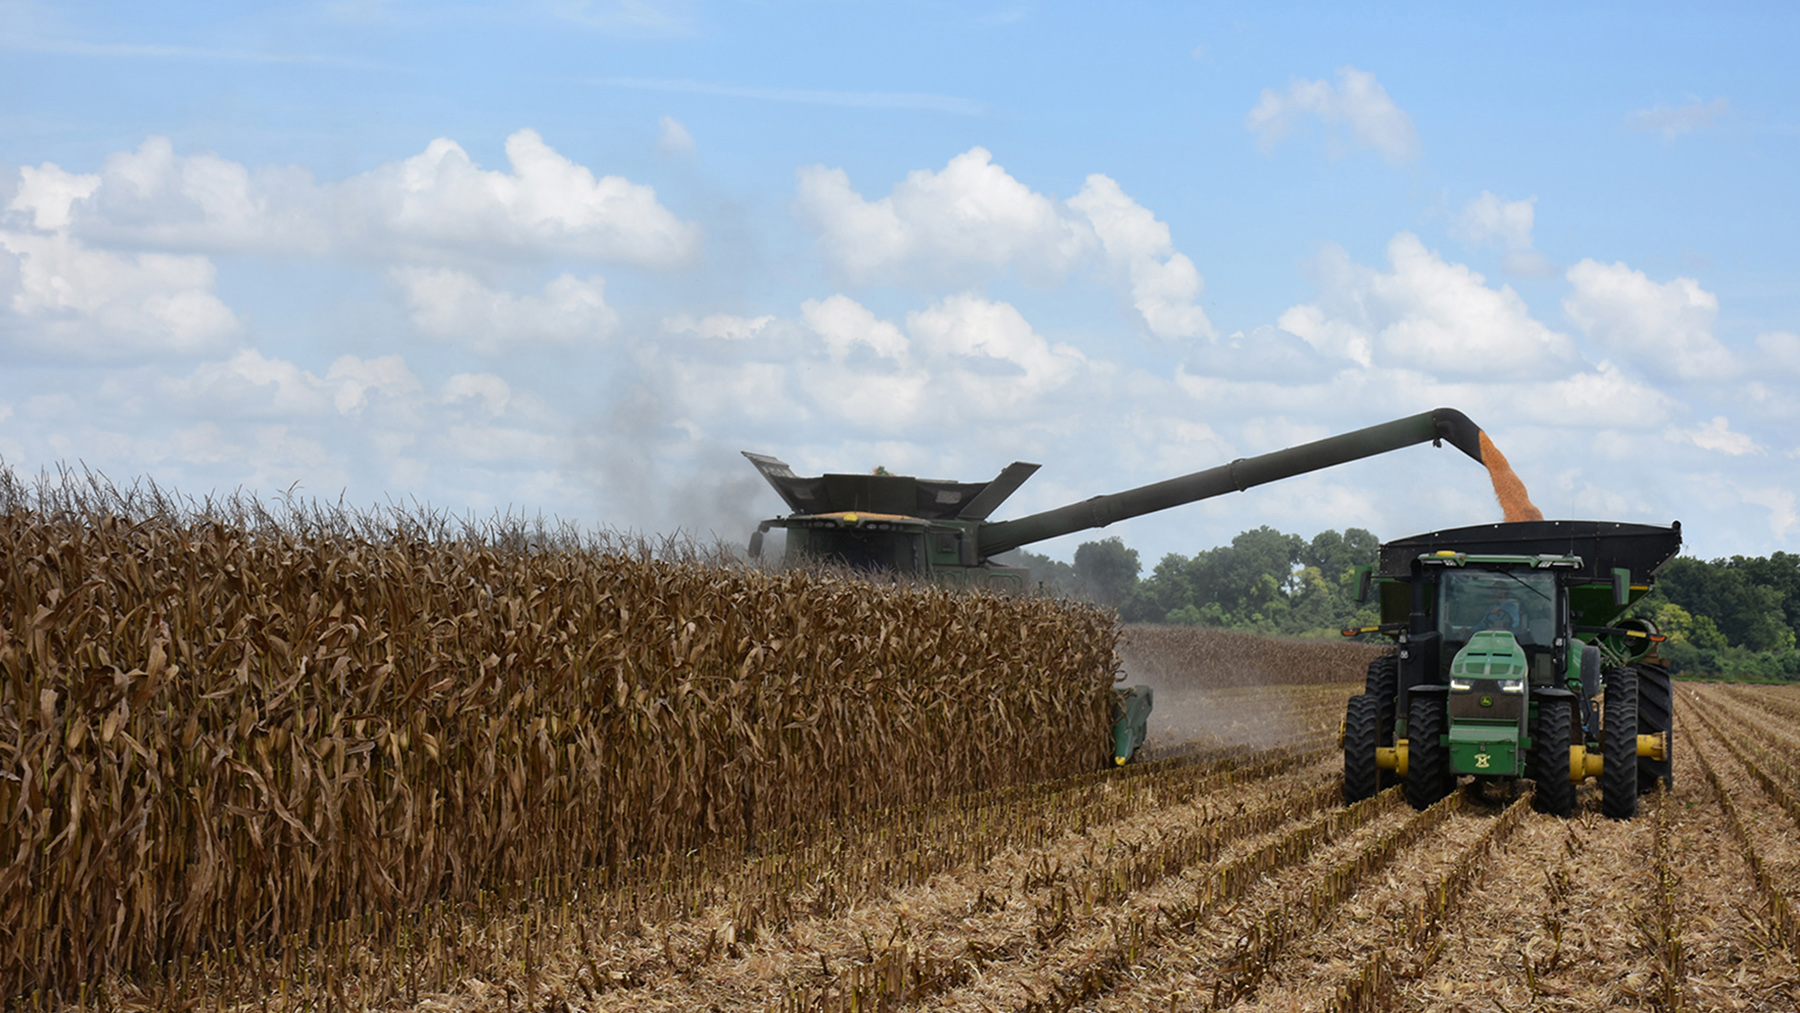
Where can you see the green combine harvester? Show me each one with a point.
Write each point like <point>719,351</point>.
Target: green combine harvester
<point>939,530</point>
<point>1510,661</point>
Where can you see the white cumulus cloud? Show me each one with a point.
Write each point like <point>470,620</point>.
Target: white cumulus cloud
<point>435,204</point>
<point>546,204</point>
<point>991,351</point>
<point>455,305</point>
<point>973,221</point>
<point>843,324</point>
<point>1164,282</point>
<point>250,384</point>
<point>1491,220</point>
<point>1664,329</point>
<point>67,299</point>
<point>155,197</point>
<point>972,214</point>
<point>1358,104</point>
<point>1425,313</point>
<point>1716,436</point>
<point>485,389</point>
<point>355,379</point>
<point>45,193</point>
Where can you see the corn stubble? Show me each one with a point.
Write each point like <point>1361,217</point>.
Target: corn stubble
<point>231,732</point>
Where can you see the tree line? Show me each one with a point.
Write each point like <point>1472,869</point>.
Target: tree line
<point>1736,617</point>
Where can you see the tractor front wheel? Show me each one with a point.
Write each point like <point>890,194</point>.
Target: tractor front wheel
<point>1618,744</point>
<point>1555,793</point>
<point>1361,776</point>
<point>1428,776</point>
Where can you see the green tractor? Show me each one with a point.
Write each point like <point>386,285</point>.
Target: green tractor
<point>1511,661</point>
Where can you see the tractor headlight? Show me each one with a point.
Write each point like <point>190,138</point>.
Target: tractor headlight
<point>1512,685</point>
<point>1461,685</point>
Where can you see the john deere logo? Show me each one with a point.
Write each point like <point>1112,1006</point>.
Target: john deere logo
<point>1483,760</point>
<point>1487,701</point>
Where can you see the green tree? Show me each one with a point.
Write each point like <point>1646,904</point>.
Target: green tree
<point>1748,612</point>
<point>1052,575</point>
<point>1107,570</point>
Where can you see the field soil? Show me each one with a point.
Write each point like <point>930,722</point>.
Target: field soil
<point>1225,874</point>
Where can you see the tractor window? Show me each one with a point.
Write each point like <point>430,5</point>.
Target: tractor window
<point>1522,604</point>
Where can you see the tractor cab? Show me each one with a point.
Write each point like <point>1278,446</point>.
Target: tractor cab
<point>1515,596</point>
<point>1512,659</point>
<point>1501,628</point>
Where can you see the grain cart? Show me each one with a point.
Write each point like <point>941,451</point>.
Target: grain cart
<point>939,530</point>
<point>1510,662</point>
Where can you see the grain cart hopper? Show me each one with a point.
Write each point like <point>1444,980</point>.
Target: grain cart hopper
<point>1510,661</point>
<point>939,530</point>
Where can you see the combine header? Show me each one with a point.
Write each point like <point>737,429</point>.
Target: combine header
<point>940,530</point>
<point>1510,662</point>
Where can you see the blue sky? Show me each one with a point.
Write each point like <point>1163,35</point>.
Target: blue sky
<point>570,258</point>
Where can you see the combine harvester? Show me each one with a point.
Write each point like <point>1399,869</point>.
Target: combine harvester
<point>1510,662</point>
<point>939,530</point>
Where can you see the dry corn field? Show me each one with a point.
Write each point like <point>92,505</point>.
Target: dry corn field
<point>213,809</point>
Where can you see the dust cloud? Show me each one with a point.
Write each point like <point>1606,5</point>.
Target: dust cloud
<point>646,473</point>
<point>1230,688</point>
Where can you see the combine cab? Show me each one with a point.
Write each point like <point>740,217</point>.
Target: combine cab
<point>1510,663</point>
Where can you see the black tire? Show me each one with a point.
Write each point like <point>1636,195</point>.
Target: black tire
<point>1382,684</point>
<point>1428,776</point>
<point>1656,716</point>
<point>1550,742</point>
<point>1618,744</point>
<point>1590,688</point>
<point>1361,776</point>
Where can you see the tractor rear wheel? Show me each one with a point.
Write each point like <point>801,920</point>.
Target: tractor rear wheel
<point>1361,775</point>
<point>1656,716</point>
<point>1618,744</point>
<point>1555,793</point>
<point>1382,684</point>
<point>1428,776</point>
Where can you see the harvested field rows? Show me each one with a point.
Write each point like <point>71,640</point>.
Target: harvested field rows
<point>1216,877</point>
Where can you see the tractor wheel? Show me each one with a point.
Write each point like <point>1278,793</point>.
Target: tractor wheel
<point>1361,776</point>
<point>1618,744</point>
<point>1382,685</point>
<point>1428,776</point>
<point>1550,758</point>
<point>1656,716</point>
<point>1590,687</point>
